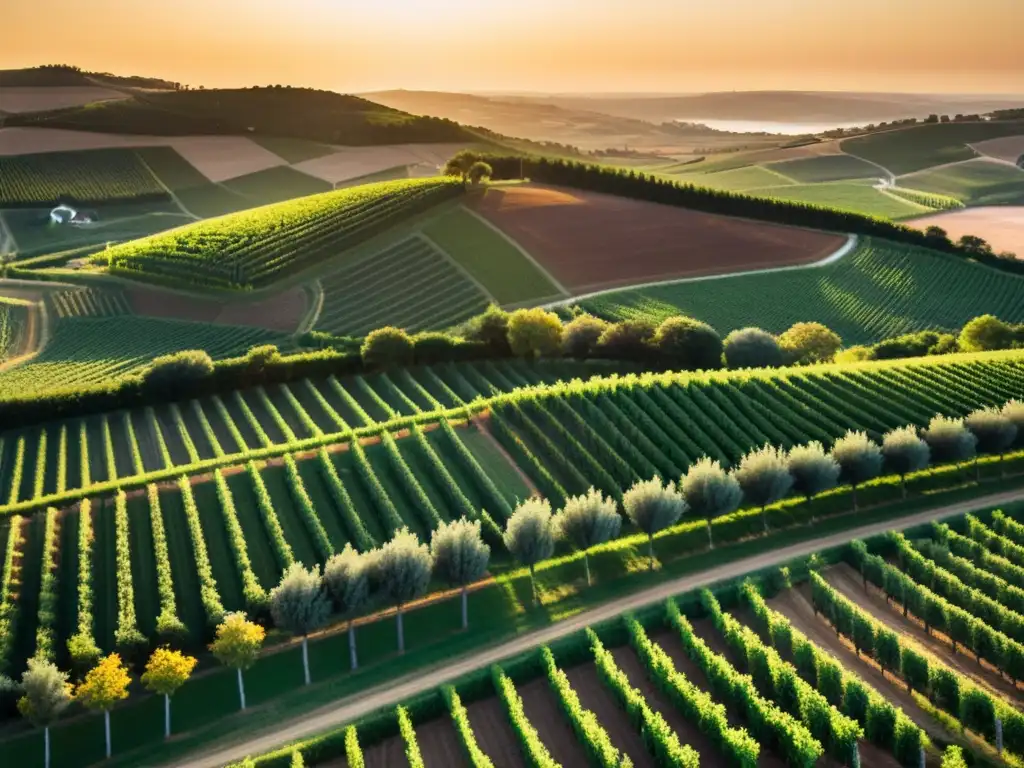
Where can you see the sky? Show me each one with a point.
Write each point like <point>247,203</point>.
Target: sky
<point>963,46</point>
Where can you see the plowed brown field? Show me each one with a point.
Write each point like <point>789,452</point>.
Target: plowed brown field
<point>590,241</point>
<point>1001,226</point>
<point>281,312</point>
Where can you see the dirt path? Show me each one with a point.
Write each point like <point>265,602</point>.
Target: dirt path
<point>395,691</point>
<point>848,582</point>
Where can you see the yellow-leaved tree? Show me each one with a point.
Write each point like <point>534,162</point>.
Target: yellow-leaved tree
<point>105,685</point>
<point>166,671</point>
<point>237,645</point>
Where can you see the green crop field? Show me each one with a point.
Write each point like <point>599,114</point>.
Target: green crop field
<point>293,150</point>
<point>89,303</point>
<point>497,264</point>
<point>919,147</point>
<point>276,184</point>
<point>739,179</point>
<point>409,285</point>
<point>810,170</point>
<point>13,321</point>
<point>879,290</point>
<point>975,182</point>
<point>200,196</point>
<point>94,176</point>
<point>85,351</point>
<point>855,196</point>
<point>259,246</point>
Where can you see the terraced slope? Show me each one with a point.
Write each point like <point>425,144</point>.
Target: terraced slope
<point>878,291</point>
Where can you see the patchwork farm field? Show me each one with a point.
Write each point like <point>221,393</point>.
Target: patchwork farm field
<point>857,197</point>
<point>974,182</point>
<point>877,291</point>
<point>589,241</point>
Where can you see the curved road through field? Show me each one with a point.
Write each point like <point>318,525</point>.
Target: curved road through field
<point>396,691</point>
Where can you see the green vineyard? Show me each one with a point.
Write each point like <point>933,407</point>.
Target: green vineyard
<point>260,245</point>
<point>99,350</point>
<point>878,291</point>
<point>96,176</point>
<point>410,285</point>
<point>13,321</point>
<point>89,303</point>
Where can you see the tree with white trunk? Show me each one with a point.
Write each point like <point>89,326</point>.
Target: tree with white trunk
<point>46,693</point>
<point>813,470</point>
<point>237,645</point>
<point>530,536</point>
<point>401,572</point>
<point>586,521</point>
<point>166,671</point>
<point>104,685</point>
<point>994,430</point>
<point>347,578</point>
<point>763,474</point>
<point>860,459</point>
<point>904,452</point>
<point>299,604</point>
<point>709,491</point>
<point>460,557</point>
<point>652,507</point>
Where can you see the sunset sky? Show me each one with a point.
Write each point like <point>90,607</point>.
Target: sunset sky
<point>535,45</point>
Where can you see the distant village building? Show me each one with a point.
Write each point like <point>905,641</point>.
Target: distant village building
<point>65,214</point>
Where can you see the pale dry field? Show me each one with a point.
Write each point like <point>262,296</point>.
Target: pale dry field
<point>1008,148</point>
<point>1001,226</point>
<point>218,158</point>
<point>353,162</point>
<point>20,100</point>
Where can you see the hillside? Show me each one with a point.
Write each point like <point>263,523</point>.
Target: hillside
<point>62,75</point>
<point>301,113</point>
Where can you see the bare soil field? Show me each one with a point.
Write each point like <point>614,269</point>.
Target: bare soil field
<point>1001,226</point>
<point>21,100</point>
<point>280,312</point>
<point>1008,148</point>
<point>848,582</point>
<point>439,744</point>
<point>592,241</point>
<point>353,162</point>
<point>598,699</point>
<point>494,734</point>
<point>218,158</point>
<point>545,714</point>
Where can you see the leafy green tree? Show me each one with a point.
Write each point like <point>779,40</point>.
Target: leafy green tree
<point>994,431</point>
<point>974,245</point>
<point>1014,411</point>
<point>814,471</point>
<point>950,440</point>
<point>905,452</point>
<point>709,491</point>
<point>653,507</point>
<point>460,164</point>
<point>166,671</point>
<point>460,556</point>
<point>237,644</point>
<point>530,535</point>
<point>627,340</point>
<point>479,171</point>
<point>763,474</point>
<point>859,459</point>
<point>752,348</point>
<point>46,694</point>
<point>347,578</point>
<point>104,685</point>
<point>688,344</point>
<point>298,604</point>
<point>387,348</point>
<point>586,521</point>
<point>401,572</point>
<point>580,335</point>
<point>490,327</point>
<point>985,333</point>
<point>937,237</point>
<point>810,343</point>
<point>534,333</point>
